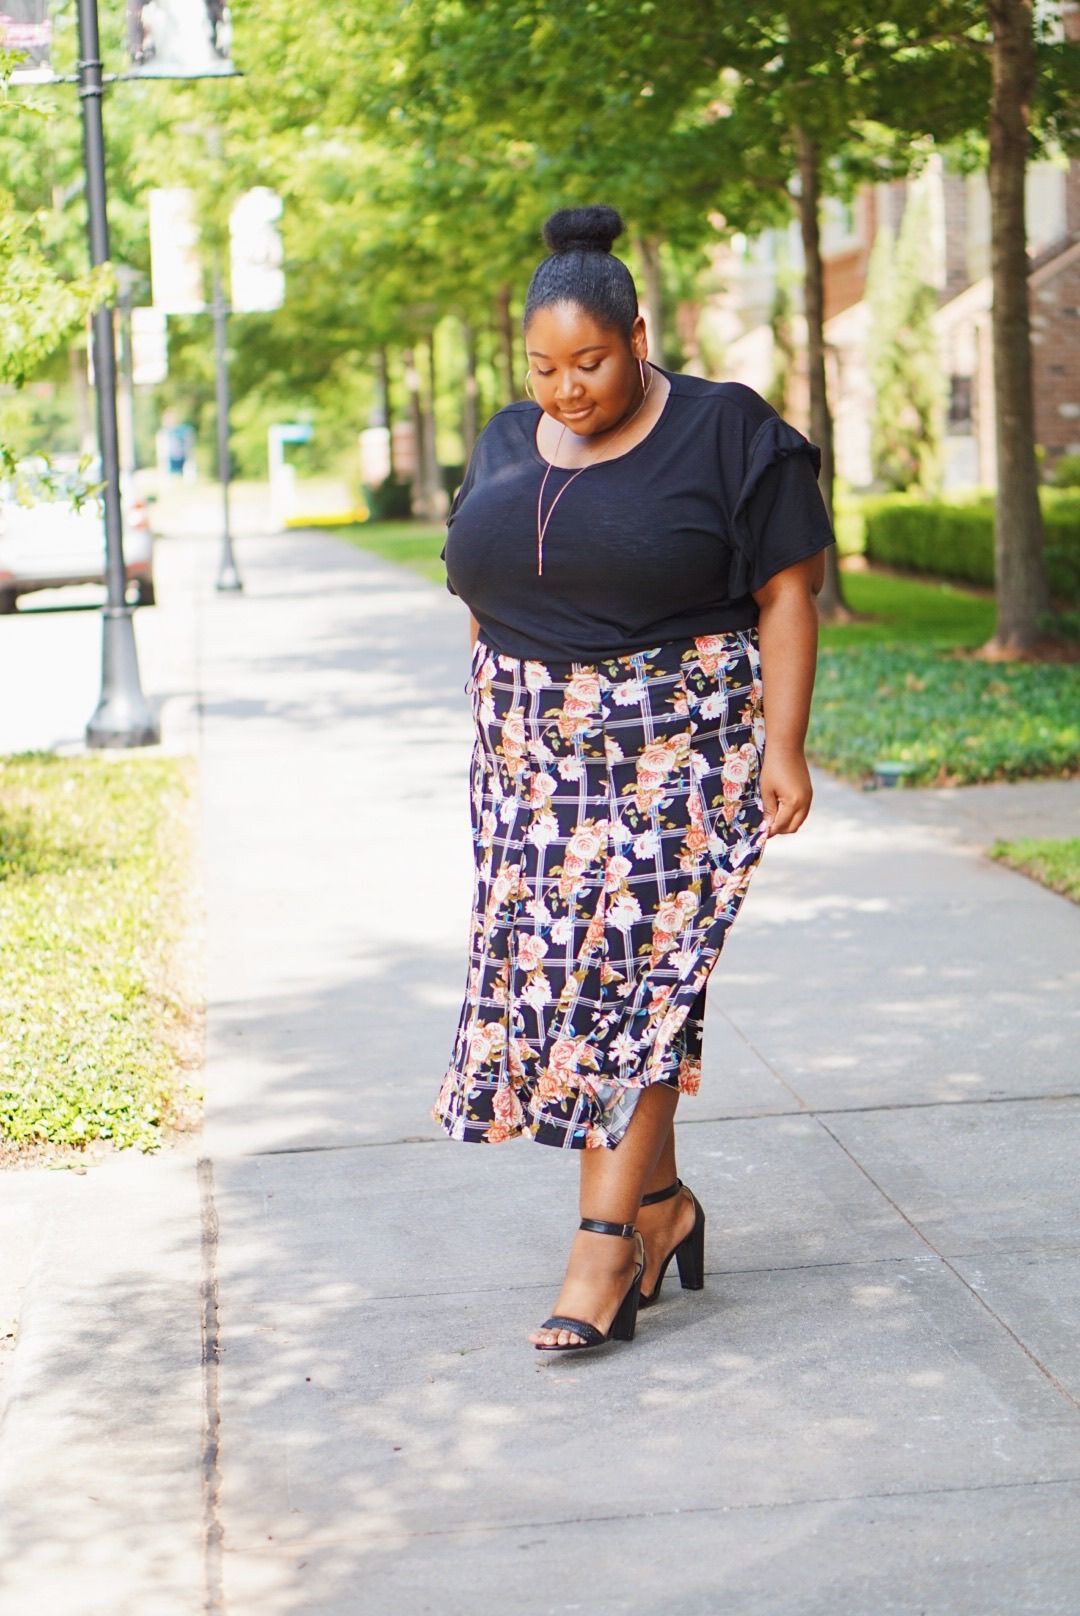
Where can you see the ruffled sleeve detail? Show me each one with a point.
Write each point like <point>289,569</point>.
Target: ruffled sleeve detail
<point>778,519</point>
<point>463,488</point>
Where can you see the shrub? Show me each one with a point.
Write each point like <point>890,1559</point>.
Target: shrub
<point>955,538</point>
<point>391,501</point>
<point>1067,472</point>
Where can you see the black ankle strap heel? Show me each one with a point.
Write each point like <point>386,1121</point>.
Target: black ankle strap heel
<point>689,1254</point>
<point>600,1226</point>
<point>662,1195</point>
<point>625,1321</point>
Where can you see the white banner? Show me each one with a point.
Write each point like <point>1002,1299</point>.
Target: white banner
<point>256,276</point>
<point>149,347</point>
<point>25,26</point>
<point>179,39</point>
<point>175,270</point>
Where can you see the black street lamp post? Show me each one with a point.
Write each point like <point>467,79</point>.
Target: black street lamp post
<point>122,717</point>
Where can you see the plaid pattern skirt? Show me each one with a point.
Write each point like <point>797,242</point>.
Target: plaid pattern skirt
<point>617,820</point>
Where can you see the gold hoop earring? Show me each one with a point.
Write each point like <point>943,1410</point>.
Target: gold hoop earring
<point>531,394</point>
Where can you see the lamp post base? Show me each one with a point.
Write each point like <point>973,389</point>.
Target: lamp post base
<point>123,716</point>
<point>228,578</point>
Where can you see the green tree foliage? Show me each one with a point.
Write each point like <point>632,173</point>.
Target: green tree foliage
<point>905,366</point>
<point>40,307</point>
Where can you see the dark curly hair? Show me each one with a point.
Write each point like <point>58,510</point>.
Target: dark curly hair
<point>582,269</point>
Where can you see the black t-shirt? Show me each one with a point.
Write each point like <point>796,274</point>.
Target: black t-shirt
<point>666,541</point>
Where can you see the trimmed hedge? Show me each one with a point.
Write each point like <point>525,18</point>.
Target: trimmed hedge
<point>955,538</point>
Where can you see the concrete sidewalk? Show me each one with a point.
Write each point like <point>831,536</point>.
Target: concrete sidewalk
<point>283,1368</point>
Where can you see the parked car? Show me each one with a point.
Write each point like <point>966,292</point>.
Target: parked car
<point>48,538</point>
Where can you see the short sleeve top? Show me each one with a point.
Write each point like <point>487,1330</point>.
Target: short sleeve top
<point>669,540</point>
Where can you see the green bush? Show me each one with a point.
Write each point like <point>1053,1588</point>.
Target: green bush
<point>1067,472</point>
<point>391,501</point>
<point>955,538</point>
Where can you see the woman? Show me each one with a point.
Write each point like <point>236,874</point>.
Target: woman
<point>639,551</point>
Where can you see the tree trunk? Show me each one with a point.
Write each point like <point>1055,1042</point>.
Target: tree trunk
<point>687,321</point>
<point>1022,593</point>
<point>649,253</point>
<point>80,384</point>
<point>506,334</point>
<point>469,402</point>
<point>415,472</point>
<point>435,499</point>
<point>383,407</point>
<point>831,599</point>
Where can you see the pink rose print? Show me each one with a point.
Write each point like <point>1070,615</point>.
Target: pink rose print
<point>713,652</point>
<point>564,1054</point>
<point>585,687</point>
<point>585,843</point>
<point>507,1107</point>
<point>736,768</point>
<point>536,676</point>
<point>531,950</point>
<point>669,918</point>
<point>689,1075</point>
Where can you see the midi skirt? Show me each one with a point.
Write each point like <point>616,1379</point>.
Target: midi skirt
<point>616,821</point>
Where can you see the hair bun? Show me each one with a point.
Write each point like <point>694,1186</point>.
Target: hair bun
<point>591,229</point>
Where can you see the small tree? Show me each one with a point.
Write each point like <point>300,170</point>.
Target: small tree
<point>905,368</point>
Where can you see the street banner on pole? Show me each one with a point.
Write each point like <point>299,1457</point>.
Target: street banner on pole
<point>179,39</point>
<point>25,26</point>
<point>256,276</point>
<point>149,347</point>
<point>176,274</point>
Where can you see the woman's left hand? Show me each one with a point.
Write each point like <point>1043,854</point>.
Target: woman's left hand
<point>785,790</point>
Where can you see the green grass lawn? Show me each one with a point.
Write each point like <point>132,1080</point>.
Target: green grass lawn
<point>410,544</point>
<point>907,611</point>
<point>894,684</point>
<point>96,1027</point>
<point>1055,864</point>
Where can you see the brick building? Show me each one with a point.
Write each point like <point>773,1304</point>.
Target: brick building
<point>958,266</point>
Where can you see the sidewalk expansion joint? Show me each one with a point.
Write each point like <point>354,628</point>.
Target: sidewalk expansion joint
<point>816,1501</point>
<point>213,1531</point>
<point>698,1122</point>
<point>1044,1369</point>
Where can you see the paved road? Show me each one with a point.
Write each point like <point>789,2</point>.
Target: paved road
<point>282,1368</point>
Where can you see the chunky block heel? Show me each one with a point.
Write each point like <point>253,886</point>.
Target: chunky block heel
<point>689,1254</point>
<point>624,1323</point>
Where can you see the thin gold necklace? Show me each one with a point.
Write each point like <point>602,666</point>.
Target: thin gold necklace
<point>542,527</point>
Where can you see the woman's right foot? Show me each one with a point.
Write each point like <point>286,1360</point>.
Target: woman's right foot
<point>598,1274</point>
<point>664,1225</point>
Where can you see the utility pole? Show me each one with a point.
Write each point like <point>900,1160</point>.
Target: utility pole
<point>122,717</point>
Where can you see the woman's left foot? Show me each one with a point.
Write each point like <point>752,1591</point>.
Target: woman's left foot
<point>663,1227</point>
<point>685,1241</point>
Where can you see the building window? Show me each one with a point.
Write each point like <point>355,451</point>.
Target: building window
<point>960,400</point>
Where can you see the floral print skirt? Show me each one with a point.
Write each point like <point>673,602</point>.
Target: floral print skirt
<point>617,820</point>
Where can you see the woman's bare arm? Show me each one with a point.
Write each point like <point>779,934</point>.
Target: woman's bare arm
<point>474,629</point>
<point>787,630</point>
